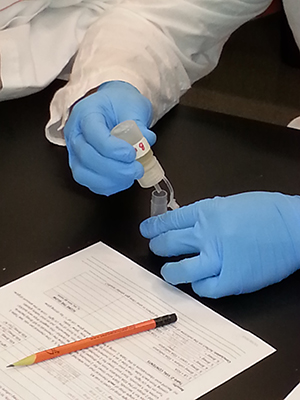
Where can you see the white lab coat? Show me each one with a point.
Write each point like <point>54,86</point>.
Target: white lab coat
<point>159,46</point>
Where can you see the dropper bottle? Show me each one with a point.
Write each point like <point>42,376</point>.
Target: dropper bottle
<point>153,171</point>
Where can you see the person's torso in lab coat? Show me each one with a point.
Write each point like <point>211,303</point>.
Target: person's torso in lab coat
<point>17,12</point>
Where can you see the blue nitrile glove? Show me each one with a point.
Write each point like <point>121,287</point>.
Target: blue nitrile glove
<point>104,163</point>
<point>245,242</point>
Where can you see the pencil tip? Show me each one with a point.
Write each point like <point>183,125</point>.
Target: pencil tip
<point>10,365</point>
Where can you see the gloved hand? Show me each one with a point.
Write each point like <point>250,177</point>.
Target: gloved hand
<point>100,161</point>
<point>245,242</point>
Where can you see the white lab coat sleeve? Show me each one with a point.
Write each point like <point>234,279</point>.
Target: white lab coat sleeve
<point>159,46</point>
<point>292,11</point>
<point>36,44</point>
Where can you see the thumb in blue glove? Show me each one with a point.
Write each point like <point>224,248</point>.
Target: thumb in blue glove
<point>98,160</point>
<point>244,242</point>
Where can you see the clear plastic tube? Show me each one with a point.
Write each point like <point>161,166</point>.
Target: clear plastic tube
<point>157,188</point>
<point>159,202</point>
<point>159,199</point>
<point>172,202</point>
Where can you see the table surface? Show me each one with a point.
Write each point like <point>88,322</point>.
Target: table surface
<point>45,215</point>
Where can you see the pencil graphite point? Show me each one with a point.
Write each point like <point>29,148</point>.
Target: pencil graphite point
<point>25,361</point>
<point>10,365</point>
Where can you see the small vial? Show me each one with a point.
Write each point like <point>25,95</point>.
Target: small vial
<point>153,172</point>
<point>159,202</point>
<point>130,132</point>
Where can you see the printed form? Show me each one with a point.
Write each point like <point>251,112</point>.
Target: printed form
<point>295,394</point>
<point>98,290</point>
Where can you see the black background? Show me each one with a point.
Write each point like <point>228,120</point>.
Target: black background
<point>45,215</point>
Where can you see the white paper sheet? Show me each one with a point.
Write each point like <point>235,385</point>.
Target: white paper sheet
<point>295,394</point>
<point>96,290</point>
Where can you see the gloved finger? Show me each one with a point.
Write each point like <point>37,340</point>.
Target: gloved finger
<point>97,134</point>
<point>213,288</point>
<point>106,176</point>
<point>191,269</point>
<point>91,159</point>
<point>174,243</point>
<point>180,218</point>
<point>100,184</point>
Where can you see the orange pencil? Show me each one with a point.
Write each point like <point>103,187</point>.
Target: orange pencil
<point>95,340</point>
